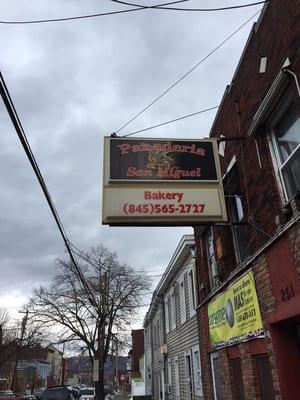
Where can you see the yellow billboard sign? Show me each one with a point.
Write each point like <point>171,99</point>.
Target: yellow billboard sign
<point>234,315</point>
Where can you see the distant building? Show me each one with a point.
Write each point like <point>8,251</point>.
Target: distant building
<point>79,369</point>
<point>172,356</point>
<point>137,352</point>
<point>137,369</point>
<point>39,366</point>
<point>7,364</point>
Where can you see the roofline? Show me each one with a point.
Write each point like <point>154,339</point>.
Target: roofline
<point>187,241</point>
<point>253,30</point>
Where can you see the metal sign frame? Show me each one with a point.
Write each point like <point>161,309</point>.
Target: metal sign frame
<point>161,182</point>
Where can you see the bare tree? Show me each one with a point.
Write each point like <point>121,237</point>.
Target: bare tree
<point>89,315</point>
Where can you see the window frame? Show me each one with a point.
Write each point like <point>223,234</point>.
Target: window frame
<point>181,287</point>
<point>197,373</point>
<point>170,310</point>
<point>216,378</point>
<point>236,213</point>
<point>278,113</point>
<point>191,291</point>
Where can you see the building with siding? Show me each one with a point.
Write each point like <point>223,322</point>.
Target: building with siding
<point>248,271</point>
<point>172,356</point>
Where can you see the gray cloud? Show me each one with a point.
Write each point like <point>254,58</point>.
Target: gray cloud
<point>73,83</point>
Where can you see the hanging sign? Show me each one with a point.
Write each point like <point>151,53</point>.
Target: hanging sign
<point>161,182</point>
<point>234,315</point>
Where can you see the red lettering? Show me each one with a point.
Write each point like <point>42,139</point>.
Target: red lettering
<point>124,148</point>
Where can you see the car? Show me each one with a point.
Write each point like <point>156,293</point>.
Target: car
<point>109,389</point>
<point>37,393</point>
<point>25,396</point>
<point>87,393</point>
<point>58,392</point>
<point>7,395</point>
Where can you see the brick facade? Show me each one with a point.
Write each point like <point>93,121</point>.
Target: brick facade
<point>137,349</point>
<point>265,237</point>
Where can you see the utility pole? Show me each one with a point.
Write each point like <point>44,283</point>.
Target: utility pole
<point>62,366</point>
<point>100,356</point>
<point>117,362</point>
<point>23,329</point>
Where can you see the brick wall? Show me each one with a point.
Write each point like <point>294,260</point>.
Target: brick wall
<point>204,353</point>
<point>137,348</point>
<point>276,36</point>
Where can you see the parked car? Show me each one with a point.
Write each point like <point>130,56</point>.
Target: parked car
<point>109,391</point>
<point>37,393</point>
<point>75,391</point>
<point>25,396</point>
<point>87,393</point>
<point>7,395</point>
<point>59,392</point>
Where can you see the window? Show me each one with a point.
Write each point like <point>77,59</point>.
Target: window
<point>234,201</point>
<point>197,374</point>
<point>167,314</point>
<point>285,129</point>
<point>264,377</point>
<point>191,290</point>
<point>170,310</point>
<point>182,301</point>
<point>187,293</point>
<point>237,385</point>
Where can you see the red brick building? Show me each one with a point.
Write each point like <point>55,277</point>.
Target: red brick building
<point>137,351</point>
<point>260,119</point>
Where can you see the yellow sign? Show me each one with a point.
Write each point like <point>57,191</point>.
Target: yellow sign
<point>234,315</point>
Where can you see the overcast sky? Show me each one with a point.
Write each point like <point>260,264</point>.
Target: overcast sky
<point>73,83</point>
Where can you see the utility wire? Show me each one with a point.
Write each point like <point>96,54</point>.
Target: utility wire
<point>147,7</point>
<point>154,6</point>
<point>186,73</point>
<point>24,142</point>
<point>172,120</point>
<point>162,7</point>
<point>41,21</point>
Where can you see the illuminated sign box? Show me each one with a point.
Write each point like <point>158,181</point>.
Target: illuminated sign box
<point>161,182</point>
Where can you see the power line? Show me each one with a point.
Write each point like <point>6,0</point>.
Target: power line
<point>172,120</point>
<point>47,20</point>
<point>186,73</point>
<point>158,6</point>
<point>161,7</point>
<point>26,146</point>
<point>41,21</point>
